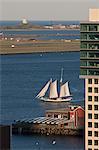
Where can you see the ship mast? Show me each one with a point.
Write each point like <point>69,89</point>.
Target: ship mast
<point>61,79</point>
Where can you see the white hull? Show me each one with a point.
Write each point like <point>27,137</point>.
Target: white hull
<point>45,99</point>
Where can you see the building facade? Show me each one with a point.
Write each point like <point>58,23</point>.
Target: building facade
<point>5,137</point>
<point>74,116</point>
<point>89,70</point>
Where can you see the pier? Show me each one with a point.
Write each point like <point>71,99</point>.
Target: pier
<point>67,121</point>
<point>45,125</point>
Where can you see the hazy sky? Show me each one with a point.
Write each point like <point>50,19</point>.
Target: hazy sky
<point>46,9</point>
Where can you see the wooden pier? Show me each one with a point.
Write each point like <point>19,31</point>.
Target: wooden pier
<point>45,125</point>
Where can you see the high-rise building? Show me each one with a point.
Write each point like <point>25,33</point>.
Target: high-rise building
<point>89,70</point>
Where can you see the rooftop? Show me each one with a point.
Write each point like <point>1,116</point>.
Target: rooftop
<point>93,14</point>
<point>89,22</point>
<point>70,108</point>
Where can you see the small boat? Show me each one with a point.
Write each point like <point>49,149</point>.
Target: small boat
<point>53,96</point>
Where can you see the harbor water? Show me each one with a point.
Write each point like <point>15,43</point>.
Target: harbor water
<point>40,34</point>
<point>22,76</point>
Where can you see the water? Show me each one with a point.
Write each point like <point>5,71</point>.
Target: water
<point>37,142</point>
<point>43,34</point>
<point>22,76</point>
<point>9,23</point>
<point>46,34</point>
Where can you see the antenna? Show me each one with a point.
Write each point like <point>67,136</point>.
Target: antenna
<point>61,79</point>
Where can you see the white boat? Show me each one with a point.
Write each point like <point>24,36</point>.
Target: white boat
<point>53,96</point>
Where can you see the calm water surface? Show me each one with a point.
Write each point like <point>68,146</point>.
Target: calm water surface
<point>22,76</point>
<point>43,34</point>
<point>10,23</point>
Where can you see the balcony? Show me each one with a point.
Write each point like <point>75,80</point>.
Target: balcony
<point>89,67</point>
<point>89,56</point>
<point>89,46</point>
<point>89,28</point>
<point>89,72</point>
<point>89,37</point>
<point>89,64</point>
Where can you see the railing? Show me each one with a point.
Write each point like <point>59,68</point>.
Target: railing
<point>89,72</point>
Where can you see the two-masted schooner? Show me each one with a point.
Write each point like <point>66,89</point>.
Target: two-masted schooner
<point>63,96</point>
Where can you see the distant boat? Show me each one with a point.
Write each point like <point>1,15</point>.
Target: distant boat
<point>53,96</point>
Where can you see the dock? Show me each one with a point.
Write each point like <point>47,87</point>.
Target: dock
<point>45,125</point>
<point>65,121</point>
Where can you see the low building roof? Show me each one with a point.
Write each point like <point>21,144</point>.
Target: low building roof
<point>64,110</point>
<point>89,22</point>
<point>43,120</point>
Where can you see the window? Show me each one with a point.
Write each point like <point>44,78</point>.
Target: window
<point>95,142</point>
<point>65,124</point>
<point>95,125</point>
<point>83,54</point>
<point>89,107</point>
<point>93,28</point>
<point>90,89</point>
<point>55,116</point>
<point>83,45</point>
<point>96,90</point>
<point>89,133</point>
<point>96,98</point>
<point>89,98</point>
<point>89,116</point>
<point>83,72</point>
<point>49,115</point>
<point>83,27</point>
<point>95,81</point>
<point>83,63</point>
<point>95,116</point>
<point>96,133</point>
<point>90,124</point>
<point>95,107</point>
<point>89,81</point>
<point>65,116</point>
<point>83,36</point>
<point>89,142</point>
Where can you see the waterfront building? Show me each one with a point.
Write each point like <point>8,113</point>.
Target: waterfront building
<point>63,121</point>
<point>89,70</point>
<point>73,114</point>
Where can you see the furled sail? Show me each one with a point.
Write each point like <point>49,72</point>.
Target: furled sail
<point>43,91</point>
<point>61,79</point>
<point>64,90</point>
<point>53,90</point>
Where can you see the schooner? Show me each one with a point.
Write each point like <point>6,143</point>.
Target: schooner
<point>63,95</point>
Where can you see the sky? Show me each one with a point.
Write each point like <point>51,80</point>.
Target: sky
<point>46,9</point>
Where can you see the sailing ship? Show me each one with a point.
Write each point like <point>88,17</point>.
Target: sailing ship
<point>63,95</point>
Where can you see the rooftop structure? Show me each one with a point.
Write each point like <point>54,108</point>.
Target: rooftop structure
<point>93,14</point>
<point>74,114</point>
